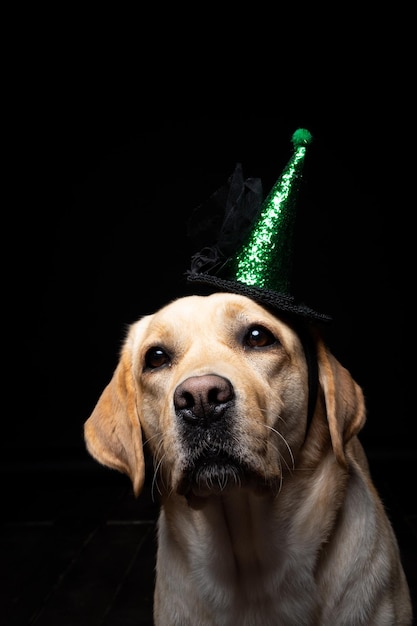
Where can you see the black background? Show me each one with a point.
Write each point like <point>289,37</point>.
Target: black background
<point>102,165</point>
<point>96,237</point>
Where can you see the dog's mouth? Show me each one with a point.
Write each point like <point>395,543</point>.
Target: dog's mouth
<point>216,474</point>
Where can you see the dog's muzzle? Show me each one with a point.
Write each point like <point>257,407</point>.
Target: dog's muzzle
<point>206,414</point>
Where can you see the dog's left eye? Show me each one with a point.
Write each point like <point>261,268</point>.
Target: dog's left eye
<point>156,357</point>
<point>259,337</point>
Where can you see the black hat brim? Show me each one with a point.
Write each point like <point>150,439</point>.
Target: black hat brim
<point>280,302</point>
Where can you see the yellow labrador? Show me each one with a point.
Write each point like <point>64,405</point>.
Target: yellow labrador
<point>265,519</point>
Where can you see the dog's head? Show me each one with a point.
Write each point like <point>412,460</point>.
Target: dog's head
<point>217,386</point>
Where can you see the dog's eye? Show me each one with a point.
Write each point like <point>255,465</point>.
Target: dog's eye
<point>156,357</point>
<point>259,337</point>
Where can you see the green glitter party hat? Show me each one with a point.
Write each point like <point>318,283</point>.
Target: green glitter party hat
<point>266,259</point>
<point>260,266</point>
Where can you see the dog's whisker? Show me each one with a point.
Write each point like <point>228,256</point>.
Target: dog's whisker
<point>159,476</point>
<point>159,448</point>
<point>155,478</point>
<point>281,482</point>
<point>289,468</point>
<point>157,462</point>
<point>286,444</point>
<point>146,441</point>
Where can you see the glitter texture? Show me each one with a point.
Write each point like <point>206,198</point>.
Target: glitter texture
<point>265,260</point>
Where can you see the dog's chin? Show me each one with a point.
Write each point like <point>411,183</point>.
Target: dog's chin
<point>218,477</point>
<point>213,478</point>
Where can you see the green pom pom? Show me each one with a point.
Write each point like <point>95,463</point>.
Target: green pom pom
<point>301,137</point>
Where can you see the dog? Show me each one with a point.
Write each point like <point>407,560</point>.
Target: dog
<point>266,517</point>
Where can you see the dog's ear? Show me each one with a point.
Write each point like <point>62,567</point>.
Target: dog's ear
<point>113,432</point>
<point>345,404</point>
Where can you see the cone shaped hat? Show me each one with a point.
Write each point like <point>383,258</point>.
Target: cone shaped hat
<point>260,265</point>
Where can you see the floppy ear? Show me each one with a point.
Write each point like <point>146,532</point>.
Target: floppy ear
<point>345,404</point>
<point>112,432</point>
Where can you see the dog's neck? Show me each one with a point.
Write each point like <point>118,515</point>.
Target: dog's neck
<point>244,520</point>
<point>226,544</point>
<point>238,520</point>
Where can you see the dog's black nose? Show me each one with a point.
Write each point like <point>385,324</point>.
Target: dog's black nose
<point>203,399</point>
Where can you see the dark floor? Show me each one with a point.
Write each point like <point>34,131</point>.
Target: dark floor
<point>79,550</point>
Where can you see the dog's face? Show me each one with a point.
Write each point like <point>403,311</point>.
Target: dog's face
<point>221,385</point>
<point>219,388</point>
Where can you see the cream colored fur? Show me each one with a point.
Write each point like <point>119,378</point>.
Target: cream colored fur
<point>300,537</point>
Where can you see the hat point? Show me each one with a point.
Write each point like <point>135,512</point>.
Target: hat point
<point>301,137</point>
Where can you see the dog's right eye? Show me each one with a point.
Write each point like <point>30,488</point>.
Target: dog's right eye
<point>156,357</point>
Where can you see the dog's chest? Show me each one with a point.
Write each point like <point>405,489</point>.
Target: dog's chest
<point>224,558</point>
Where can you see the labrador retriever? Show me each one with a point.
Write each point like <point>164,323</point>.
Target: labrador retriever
<point>267,517</point>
